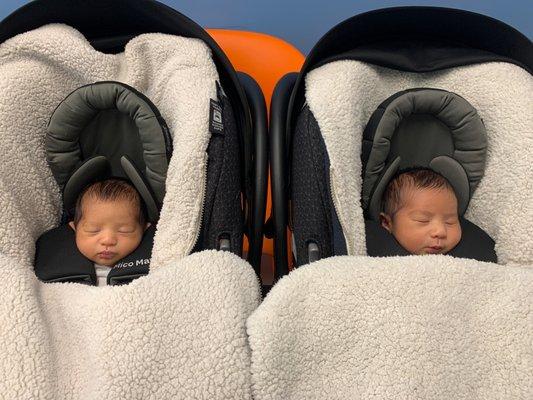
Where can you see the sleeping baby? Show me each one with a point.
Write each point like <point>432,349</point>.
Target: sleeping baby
<point>420,210</point>
<point>109,223</point>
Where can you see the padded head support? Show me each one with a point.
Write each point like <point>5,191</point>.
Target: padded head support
<point>109,129</point>
<point>93,170</point>
<point>425,128</point>
<point>57,259</point>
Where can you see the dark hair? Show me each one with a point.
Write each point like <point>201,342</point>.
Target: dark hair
<point>111,190</point>
<point>419,178</point>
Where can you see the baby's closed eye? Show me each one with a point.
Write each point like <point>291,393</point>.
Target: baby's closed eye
<point>126,230</point>
<point>421,218</point>
<point>91,229</point>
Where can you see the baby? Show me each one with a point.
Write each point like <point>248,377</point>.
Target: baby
<point>109,223</point>
<point>420,211</point>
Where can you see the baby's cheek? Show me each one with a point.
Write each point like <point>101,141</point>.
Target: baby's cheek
<point>131,244</point>
<point>456,236</point>
<point>84,246</point>
<point>410,238</point>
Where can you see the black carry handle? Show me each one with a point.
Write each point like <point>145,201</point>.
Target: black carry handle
<point>279,170</point>
<point>255,214</point>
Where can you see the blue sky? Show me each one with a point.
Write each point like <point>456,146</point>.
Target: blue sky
<point>303,22</point>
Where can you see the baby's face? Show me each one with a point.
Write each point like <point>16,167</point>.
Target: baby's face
<point>427,223</point>
<point>108,230</point>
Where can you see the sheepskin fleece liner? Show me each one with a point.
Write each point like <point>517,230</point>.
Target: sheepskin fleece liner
<point>422,327</point>
<point>342,96</point>
<point>178,333</point>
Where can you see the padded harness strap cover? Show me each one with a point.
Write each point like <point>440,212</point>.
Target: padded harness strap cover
<point>57,258</point>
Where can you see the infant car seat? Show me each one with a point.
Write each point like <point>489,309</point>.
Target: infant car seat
<point>399,75</point>
<point>109,129</point>
<point>400,327</point>
<point>89,89</point>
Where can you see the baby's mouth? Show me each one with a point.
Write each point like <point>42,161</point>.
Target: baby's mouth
<point>434,249</point>
<point>106,255</point>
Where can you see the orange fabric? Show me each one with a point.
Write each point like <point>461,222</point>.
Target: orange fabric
<point>266,59</point>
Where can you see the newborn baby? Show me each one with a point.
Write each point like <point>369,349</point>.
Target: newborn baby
<point>420,211</point>
<point>109,223</point>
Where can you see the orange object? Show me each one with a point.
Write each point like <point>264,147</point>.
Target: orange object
<point>266,59</point>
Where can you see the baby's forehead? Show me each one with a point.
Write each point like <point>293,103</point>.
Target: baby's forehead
<point>91,202</point>
<point>412,189</point>
<point>427,196</point>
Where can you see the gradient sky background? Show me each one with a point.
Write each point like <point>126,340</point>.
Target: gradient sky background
<point>303,22</point>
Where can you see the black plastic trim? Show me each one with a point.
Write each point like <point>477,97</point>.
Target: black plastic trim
<point>124,279</point>
<point>82,278</point>
<point>279,170</point>
<point>256,212</point>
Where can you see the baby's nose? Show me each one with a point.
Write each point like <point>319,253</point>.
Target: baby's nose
<point>438,230</point>
<point>108,239</point>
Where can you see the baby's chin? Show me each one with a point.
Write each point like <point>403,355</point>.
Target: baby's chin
<point>432,250</point>
<point>105,263</point>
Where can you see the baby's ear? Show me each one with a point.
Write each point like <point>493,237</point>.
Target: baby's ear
<point>71,224</point>
<point>385,221</point>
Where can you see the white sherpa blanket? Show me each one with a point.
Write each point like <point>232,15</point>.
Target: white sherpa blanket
<point>342,96</point>
<point>176,334</point>
<point>418,327</point>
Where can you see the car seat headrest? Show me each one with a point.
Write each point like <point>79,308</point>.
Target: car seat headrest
<point>423,128</point>
<point>109,129</point>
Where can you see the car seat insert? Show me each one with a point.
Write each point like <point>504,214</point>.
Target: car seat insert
<point>108,129</point>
